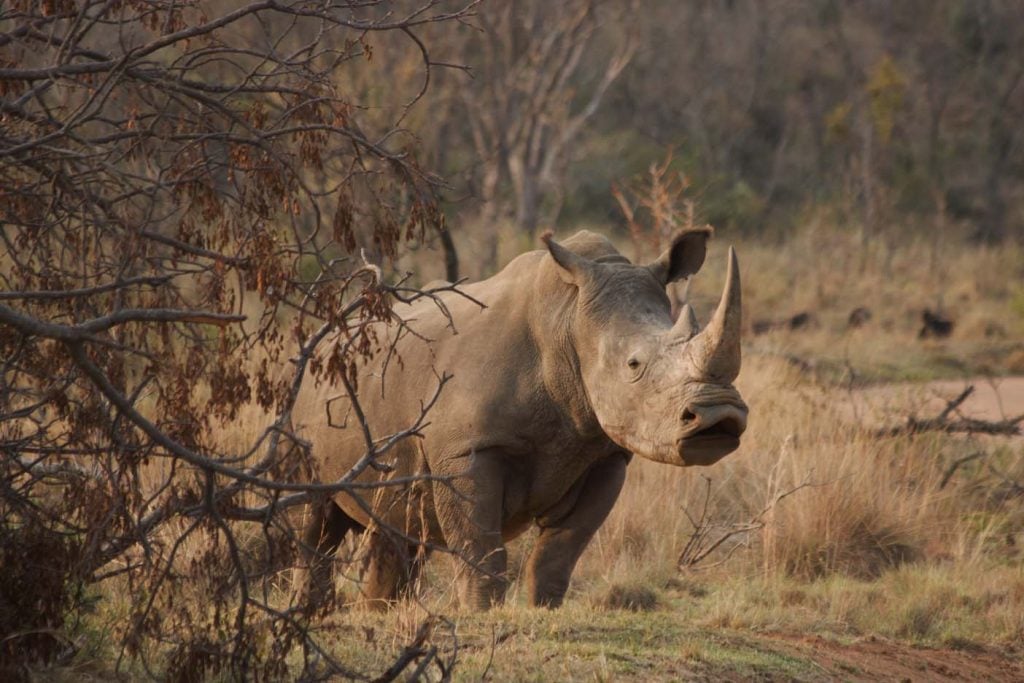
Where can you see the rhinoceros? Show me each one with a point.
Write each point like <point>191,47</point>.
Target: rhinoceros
<point>574,366</point>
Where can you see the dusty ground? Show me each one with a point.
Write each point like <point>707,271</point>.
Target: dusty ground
<point>873,659</point>
<point>619,648</point>
<point>993,399</point>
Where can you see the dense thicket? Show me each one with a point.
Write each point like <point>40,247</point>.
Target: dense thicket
<point>180,185</point>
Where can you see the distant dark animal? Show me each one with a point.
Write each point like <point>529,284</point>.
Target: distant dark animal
<point>802,320</point>
<point>858,317</point>
<point>574,366</point>
<point>936,325</point>
<point>994,330</point>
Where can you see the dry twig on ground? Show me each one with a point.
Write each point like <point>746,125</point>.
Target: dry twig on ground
<point>960,424</point>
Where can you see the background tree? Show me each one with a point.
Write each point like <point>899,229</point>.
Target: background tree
<point>505,137</point>
<point>888,119</point>
<point>886,116</point>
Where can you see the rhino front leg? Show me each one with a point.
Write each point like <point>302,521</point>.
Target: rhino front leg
<point>565,535</point>
<point>469,510</point>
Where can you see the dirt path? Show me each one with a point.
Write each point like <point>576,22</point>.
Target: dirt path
<point>873,659</point>
<point>992,399</point>
<point>995,399</point>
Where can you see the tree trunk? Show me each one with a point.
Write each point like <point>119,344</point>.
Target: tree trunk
<point>451,256</point>
<point>992,228</point>
<point>528,206</point>
<point>489,211</point>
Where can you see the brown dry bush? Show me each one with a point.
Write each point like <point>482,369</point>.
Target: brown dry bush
<point>38,588</point>
<point>185,189</point>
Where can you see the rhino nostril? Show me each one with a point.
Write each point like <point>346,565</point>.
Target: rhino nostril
<point>688,416</point>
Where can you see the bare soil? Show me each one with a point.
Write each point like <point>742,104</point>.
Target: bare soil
<point>873,659</point>
<point>993,399</point>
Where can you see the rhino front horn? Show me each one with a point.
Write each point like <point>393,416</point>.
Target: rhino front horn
<point>716,350</point>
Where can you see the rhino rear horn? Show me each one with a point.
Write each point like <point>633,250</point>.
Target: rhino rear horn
<point>716,350</point>
<point>686,327</point>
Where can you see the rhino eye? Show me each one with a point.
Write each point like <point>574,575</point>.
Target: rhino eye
<point>633,363</point>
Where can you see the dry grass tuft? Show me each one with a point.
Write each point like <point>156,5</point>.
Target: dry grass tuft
<point>866,513</point>
<point>864,544</point>
<point>633,597</point>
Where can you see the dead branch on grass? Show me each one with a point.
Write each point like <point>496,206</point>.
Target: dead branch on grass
<point>961,424</point>
<point>957,464</point>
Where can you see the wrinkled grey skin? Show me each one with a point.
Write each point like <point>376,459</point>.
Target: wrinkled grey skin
<point>574,365</point>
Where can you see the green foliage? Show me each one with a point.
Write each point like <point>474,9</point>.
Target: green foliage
<point>804,106</point>
<point>886,87</point>
<point>731,204</point>
<point>606,159</point>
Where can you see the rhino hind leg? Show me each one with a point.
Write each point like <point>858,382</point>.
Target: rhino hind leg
<point>324,531</point>
<point>562,539</point>
<point>391,568</point>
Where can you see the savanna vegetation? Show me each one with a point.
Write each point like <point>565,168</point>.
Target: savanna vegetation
<point>193,194</point>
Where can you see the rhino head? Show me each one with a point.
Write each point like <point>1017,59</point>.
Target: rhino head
<point>659,389</point>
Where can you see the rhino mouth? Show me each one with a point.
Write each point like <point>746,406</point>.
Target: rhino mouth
<point>729,427</point>
<point>712,433</point>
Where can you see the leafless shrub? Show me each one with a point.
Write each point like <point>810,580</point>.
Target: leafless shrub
<point>655,207</point>
<point>710,535</point>
<point>180,190</point>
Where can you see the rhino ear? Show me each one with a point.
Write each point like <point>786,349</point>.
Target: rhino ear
<point>572,268</point>
<point>684,257</point>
